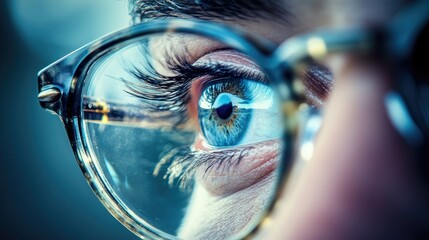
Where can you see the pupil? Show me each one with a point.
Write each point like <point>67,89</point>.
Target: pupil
<point>223,106</point>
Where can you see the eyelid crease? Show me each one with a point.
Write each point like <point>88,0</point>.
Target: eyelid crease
<point>233,70</point>
<point>221,72</point>
<point>233,59</point>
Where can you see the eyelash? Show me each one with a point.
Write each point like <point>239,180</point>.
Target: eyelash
<point>170,95</point>
<point>160,93</point>
<point>184,162</point>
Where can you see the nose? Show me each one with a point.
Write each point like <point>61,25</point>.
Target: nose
<point>362,181</point>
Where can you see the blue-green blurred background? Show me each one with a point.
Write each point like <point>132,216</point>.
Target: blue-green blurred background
<point>43,192</point>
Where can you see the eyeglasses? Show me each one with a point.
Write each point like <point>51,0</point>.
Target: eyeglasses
<point>188,129</point>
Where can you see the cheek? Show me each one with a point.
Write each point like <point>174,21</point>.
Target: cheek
<point>207,214</point>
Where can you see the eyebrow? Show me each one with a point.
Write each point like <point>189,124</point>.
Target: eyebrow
<point>146,10</point>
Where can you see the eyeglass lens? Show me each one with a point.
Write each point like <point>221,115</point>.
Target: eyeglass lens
<point>187,132</point>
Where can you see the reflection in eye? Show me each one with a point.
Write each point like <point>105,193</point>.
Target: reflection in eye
<point>226,109</point>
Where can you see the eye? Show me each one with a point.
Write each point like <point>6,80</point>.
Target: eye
<point>237,111</point>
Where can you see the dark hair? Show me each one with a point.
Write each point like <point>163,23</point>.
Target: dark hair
<point>144,10</point>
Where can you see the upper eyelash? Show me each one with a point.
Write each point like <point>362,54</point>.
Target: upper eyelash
<point>160,93</point>
<point>170,95</point>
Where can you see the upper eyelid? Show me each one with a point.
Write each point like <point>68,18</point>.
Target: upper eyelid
<point>234,69</point>
<point>222,70</point>
<point>213,68</point>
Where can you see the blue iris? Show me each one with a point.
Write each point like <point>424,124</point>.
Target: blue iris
<point>225,111</point>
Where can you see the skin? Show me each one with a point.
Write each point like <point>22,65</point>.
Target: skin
<point>366,186</point>
<point>361,182</point>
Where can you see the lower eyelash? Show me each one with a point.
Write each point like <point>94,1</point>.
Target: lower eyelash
<point>183,163</point>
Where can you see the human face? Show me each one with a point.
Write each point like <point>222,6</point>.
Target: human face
<point>176,83</point>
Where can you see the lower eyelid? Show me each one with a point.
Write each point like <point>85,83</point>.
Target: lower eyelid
<point>228,171</point>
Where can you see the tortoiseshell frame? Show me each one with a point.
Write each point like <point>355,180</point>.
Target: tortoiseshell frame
<point>61,83</point>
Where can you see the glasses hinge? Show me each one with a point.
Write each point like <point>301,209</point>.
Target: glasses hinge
<point>50,94</point>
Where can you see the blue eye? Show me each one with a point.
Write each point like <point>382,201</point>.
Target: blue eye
<point>237,111</point>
